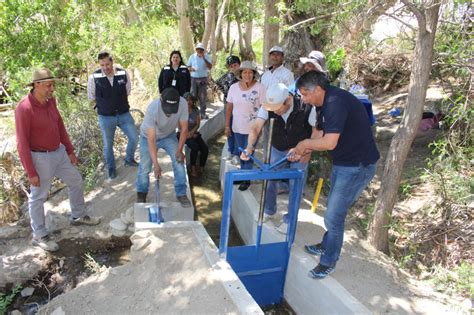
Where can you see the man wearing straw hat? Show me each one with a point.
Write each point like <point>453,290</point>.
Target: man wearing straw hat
<point>46,152</point>
<point>291,126</point>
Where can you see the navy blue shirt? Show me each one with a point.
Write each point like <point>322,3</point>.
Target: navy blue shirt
<point>343,113</point>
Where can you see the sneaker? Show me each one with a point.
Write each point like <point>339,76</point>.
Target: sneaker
<point>184,201</point>
<point>85,220</point>
<point>244,186</point>
<point>320,271</point>
<point>131,163</point>
<point>141,197</point>
<point>235,160</point>
<point>316,249</point>
<point>282,228</point>
<point>266,217</point>
<point>45,243</point>
<point>112,173</point>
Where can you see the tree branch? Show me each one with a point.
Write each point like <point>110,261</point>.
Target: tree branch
<point>400,20</point>
<point>310,20</point>
<point>420,16</point>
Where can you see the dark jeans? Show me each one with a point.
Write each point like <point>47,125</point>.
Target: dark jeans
<point>198,145</point>
<point>199,90</point>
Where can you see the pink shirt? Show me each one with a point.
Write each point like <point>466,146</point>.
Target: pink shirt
<point>39,127</point>
<point>245,106</point>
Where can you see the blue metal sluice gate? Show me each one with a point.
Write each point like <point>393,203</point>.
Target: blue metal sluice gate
<point>261,267</point>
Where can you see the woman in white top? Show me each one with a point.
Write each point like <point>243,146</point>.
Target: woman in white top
<point>243,102</point>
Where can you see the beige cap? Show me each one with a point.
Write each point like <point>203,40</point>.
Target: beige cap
<point>275,96</point>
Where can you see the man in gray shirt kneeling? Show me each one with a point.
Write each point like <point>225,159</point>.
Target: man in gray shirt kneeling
<point>158,130</point>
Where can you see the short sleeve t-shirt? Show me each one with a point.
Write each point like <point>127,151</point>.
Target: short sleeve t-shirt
<point>199,65</point>
<point>343,113</point>
<point>156,118</point>
<point>245,106</point>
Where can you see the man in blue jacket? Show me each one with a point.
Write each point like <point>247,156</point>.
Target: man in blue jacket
<point>346,134</point>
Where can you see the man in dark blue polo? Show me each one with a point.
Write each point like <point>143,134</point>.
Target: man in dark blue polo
<point>108,88</point>
<point>346,134</point>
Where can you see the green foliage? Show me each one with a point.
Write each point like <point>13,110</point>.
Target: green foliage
<point>7,299</point>
<point>335,62</point>
<point>460,280</point>
<point>365,221</point>
<point>91,264</point>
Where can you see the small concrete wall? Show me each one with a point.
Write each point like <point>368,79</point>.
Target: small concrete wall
<point>306,296</point>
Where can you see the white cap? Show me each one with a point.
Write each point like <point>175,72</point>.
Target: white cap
<point>317,58</point>
<point>200,46</point>
<point>276,48</point>
<point>275,96</point>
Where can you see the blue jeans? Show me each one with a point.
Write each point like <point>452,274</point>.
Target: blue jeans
<point>231,147</point>
<point>271,195</point>
<point>108,125</point>
<point>347,183</point>
<point>170,145</point>
<point>241,140</point>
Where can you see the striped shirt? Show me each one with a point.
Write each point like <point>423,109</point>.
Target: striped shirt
<point>279,75</point>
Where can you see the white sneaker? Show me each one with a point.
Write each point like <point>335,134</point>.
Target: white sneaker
<point>45,243</point>
<point>235,160</point>
<point>266,217</point>
<point>282,228</point>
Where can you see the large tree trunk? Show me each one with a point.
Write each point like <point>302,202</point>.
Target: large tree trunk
<point>218,32</point>
<point>210,23</point>
<point>271,29</point>
<point>185,33</point>
<point>249,53</point>
<point>427,18</point>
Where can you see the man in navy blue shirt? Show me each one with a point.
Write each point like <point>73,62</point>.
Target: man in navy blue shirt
<point>346,134</point>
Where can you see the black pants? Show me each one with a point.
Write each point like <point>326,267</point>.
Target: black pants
<point>197,145</point>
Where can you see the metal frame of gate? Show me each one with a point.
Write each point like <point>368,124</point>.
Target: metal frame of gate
<point>261,267</point>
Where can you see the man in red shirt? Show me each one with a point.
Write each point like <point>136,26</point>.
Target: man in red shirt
<point>46,151</point>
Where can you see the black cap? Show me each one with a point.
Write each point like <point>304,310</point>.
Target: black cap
<point>170,101</point>
<point>232,59</point>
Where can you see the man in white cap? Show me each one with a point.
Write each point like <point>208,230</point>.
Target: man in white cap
<point>290,127</point>
<point>199,65</point>
<point>276,73</point>
<point>158,131</point>
<point>46,152</point>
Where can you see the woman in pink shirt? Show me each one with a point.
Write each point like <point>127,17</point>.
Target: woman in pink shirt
<point>243,102</point>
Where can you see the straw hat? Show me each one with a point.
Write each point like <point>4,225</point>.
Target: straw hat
<point>41,75</point>
<point>248,65</point>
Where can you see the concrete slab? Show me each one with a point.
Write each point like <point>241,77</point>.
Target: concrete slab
<point>174,269</point>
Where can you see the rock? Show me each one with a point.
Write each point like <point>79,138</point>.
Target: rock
<point>58,311</point>
<point>140,244</point>
<point>118,225</point>
<point>61,263</point>
<point>124,219</point>
<point>467,305</point>
<point>118,233</point>
<point>27,292</point>
<point>15,312</point>
<point>131,228</point>
<point>127,216</point>
<point>9,232</point>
